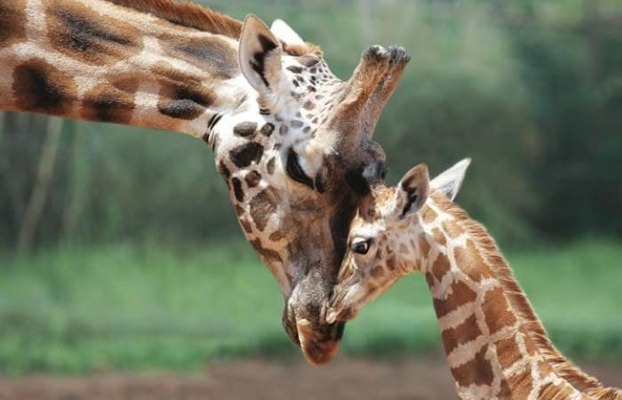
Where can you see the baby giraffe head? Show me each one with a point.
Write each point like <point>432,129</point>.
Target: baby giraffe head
<point>386,238</point>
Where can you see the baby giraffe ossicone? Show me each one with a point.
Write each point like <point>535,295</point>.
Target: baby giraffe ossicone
<point>495,345</point>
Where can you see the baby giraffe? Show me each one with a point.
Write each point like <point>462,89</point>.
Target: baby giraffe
<point>495,345</point>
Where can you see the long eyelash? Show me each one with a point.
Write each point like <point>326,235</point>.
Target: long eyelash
<point>295,171</point>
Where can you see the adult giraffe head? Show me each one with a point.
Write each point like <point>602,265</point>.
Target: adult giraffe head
<point>297,162</point>
<point>290,139</point>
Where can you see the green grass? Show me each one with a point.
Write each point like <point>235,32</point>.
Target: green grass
<point>151,307</point>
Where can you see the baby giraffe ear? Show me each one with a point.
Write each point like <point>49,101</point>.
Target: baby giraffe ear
<point>414,188</point>
<point>450,181</point>
<point>259,56</point>
<point>285,32</point>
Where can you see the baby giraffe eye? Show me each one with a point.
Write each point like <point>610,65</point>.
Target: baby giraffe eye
<point>360,245</point>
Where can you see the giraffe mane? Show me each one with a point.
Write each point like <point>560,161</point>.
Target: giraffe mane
<point>525,312</point>
<point>195,16</point>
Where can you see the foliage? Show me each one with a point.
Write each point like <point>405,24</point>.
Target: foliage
<point>530,90</point>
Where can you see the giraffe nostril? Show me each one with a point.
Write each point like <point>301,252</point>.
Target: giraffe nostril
<point>331,295</point>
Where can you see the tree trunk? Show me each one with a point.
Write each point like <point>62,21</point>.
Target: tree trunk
<point>45,171</point>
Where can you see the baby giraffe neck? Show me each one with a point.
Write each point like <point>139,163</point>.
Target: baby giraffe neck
<point>483,315</point>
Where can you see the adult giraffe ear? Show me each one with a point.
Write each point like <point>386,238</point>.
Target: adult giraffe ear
<point>285,33</point>
<point>450,181</point>
<point>259,56</point>
<point>413,190</point>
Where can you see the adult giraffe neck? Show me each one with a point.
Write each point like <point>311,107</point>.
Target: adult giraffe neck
<point>101,61</point>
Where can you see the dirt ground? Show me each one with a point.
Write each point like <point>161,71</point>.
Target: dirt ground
<point>343,379</point>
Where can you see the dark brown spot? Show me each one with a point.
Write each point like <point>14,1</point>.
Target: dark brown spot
<point>245,129</point>
<point>283,130</point>
<point>463,333</point>
<point>109,104</point>
<point>497,311</point>
<point>276,236</point>
<point>460,294</point>
<point>308,60</point>
<point>245,155</point>
<point>237,189</point>
<point>179,100</point>
<point>239,210</point>
<point>270,166</point>
<point>246,225</point>
<point>81,33</point>
<point>477,371</point>
<point>262,207</point>
<point>13,26</point>
<point>41,87</point>
<point>224,171</point>
<point>252,179</point>
<point>267,129</point>
<point>295,69</point>
<point>212,54</point>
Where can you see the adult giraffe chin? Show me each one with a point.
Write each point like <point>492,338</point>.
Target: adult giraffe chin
<point>291,140</point>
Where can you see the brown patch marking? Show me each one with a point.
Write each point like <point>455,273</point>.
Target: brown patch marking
<point>252,179</point>
<point>497,311</point>
<point>269,255</point>
<point>440,267</point>
<point>471,262</point>
<point>477,371</point>
<point>180,100</point>
<point>270,166</point>
<point>13,25</point>
<point>424,247</point>
<point>39,86</point>
<point>465,332</point>
<point>508,352</point>
<point>452,229</point>
<point>109,103</point>
<point>439,237</point>
<point>521,383</point>
<point>211,54</point>
<point>245,129</point>
<point>81,33</point>
<point>428,215</point>
<point>460,294</point>
<point>262,206</point>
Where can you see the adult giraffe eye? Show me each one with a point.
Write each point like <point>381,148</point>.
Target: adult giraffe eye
<point>360,246</point>
<point>295,171</point>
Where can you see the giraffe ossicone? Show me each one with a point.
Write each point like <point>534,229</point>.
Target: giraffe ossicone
<point>495,345</point>
<point>290,139</point>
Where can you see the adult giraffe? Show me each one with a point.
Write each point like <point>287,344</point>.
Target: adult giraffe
<point>495,345</point>
<point>290,139</point>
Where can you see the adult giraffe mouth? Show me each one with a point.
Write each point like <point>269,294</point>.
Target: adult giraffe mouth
<point>318,340</point>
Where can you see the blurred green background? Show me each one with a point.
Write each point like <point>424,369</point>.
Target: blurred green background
<point>119,249</point>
